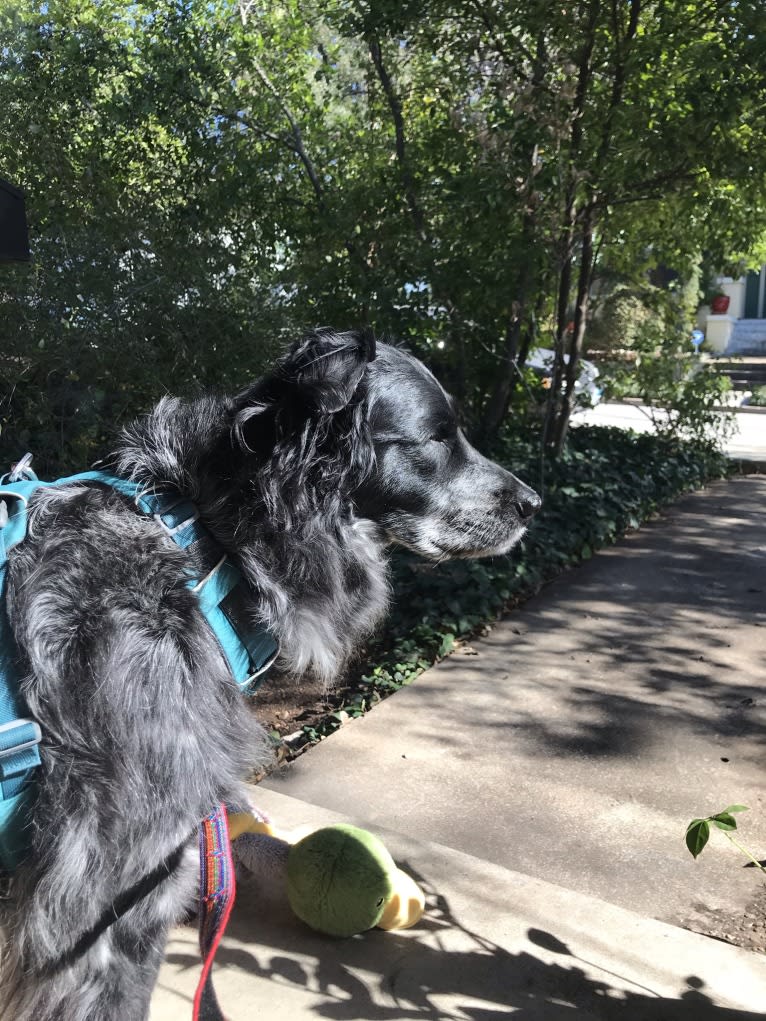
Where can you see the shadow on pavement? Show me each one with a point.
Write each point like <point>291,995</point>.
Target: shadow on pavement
<point>441,970</point>
<point>643,640</point>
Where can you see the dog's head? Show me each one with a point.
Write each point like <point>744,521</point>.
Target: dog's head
<point>370,424</point>
<point>431,490</point>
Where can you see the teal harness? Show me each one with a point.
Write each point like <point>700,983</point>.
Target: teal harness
<point>222,599</point>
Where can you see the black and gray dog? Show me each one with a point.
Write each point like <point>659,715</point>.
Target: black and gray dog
<point>304,478</point>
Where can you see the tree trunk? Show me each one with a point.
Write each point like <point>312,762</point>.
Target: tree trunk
<point>553,411</point>
<point>497,404</point>
<point>584,280</point>
<point>499,399</point>
<point>557,403</point>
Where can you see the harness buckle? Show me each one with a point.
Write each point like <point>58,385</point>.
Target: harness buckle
<point>22,469</point>
<point>267,665</point>
<point>32,736</point>
<point>173,529</point>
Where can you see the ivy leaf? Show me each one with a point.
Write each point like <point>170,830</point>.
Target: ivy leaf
<point>697,835</point>
<point>735,808</point>
<point>447,644</point>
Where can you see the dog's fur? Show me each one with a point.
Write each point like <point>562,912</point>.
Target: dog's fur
<point>303,478</point>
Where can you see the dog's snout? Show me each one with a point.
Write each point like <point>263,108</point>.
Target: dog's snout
<point>525,502</point>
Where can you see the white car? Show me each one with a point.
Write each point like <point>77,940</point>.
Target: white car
<point>586,392</point>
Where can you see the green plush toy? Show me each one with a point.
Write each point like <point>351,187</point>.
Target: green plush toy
<point>339,880</point>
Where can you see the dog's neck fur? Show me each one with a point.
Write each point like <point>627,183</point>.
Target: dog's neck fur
<point>320,585</point>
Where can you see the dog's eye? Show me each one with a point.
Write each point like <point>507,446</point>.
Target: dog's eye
<point>445,432</point>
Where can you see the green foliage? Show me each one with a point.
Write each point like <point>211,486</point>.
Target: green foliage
<point>624,317</point>
<point>202,185</point>
<point>684,394</point>
<point>698,832</point>
<point>606,482</point>
<point>149,268</point>
<point>758,397</point>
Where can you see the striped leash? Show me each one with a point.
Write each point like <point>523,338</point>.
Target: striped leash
<point>217,889</point>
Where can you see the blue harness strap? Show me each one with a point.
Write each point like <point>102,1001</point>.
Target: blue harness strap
<point>19,736</point>
<point>249,651</point>
<point>222,597</point>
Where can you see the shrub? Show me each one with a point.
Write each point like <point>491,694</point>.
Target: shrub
<point>622,318</point>
<point>681,391</point>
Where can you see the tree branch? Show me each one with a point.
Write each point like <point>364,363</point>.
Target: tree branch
<point>395,106</point>
<point>500,46</point>
<point>622,49</point>
<point>240,118</point>
<point>653,188</point>
<point>298,145</point>
<point>297,137</point>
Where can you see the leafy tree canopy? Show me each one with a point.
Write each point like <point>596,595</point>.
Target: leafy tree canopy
<point>204,179</point>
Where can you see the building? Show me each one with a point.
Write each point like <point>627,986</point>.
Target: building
<point>741,330</point>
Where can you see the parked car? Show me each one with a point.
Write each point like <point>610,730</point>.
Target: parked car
<point>587,393</point>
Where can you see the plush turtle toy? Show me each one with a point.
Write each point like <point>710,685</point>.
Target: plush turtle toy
<point>339,880</point>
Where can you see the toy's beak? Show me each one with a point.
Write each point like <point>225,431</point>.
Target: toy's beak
<point>406,906</point>
<point>245,822</point>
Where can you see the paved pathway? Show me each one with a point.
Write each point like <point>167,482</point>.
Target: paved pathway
<point>539,786</point>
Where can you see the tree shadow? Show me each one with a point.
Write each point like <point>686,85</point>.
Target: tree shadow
<point>645,638</point>
<point>443,970</point>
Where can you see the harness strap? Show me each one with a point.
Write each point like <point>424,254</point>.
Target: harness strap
<point>248,652</point>
<point>216,582</point>
<point>19,736</point>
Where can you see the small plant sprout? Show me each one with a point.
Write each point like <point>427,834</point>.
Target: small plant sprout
<point>698,832</point>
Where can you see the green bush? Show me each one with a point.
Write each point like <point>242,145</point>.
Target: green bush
<point>67,407</point>
<point>758,397</point>
<point>622,318</point>
<point>681,391</point>
<point>682,394</point>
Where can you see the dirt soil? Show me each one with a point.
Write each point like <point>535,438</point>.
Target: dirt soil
<point>747,930</point>
<point>285,705</point>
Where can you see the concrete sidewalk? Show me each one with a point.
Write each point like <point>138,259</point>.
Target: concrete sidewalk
<point>539,785</point>
<point>493,944</point>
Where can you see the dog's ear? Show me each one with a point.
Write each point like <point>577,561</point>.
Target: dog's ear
<point>320,376</point>
<point>326,368</point>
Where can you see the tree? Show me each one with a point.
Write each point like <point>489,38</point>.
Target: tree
<point>206,178</point>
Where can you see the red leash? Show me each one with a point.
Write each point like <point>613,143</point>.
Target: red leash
<point>217,889</point>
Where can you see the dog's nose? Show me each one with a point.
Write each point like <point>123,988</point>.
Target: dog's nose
<point>526,503</point>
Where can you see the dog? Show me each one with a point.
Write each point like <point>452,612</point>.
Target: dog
<point>304,479</point>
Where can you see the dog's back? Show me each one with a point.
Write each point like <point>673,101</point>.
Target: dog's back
<point>144,732</point>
